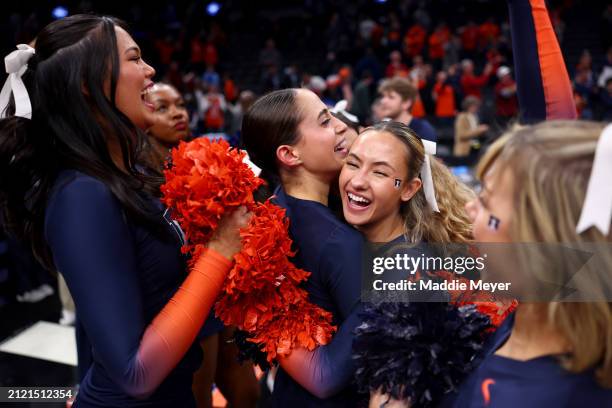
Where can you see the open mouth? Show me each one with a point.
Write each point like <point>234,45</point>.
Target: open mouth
<point>341,147</point>
<point>358,201</point>
<point>145,97</point>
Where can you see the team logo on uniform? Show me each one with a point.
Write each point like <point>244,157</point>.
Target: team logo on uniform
<point>175,226</point>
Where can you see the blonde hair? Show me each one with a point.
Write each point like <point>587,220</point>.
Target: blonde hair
<point>551,164</point>
<point>451,224</point>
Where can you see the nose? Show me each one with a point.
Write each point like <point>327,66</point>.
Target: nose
<point>149,70</point>
<point>359,181</point>
<point>471,208</point>
<point>340,127</point>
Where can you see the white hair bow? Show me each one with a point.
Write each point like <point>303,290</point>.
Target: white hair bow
<point>428,185</point>
<point>340,108</point>
<point>597,207</point>
<point>16,64</point>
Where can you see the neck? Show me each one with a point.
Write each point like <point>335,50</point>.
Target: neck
<point>533,335</point>
<point>385,231</point>
<point>306,186</point>
<point>404,117</point>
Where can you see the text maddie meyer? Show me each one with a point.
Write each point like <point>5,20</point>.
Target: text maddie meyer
<point>447,285</point>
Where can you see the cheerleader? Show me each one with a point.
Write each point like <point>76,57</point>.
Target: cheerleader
<point>73,186</point>
<point>301,146</point>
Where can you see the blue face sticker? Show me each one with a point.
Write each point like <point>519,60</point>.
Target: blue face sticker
<point>397,183</point>
<point>493,223</point>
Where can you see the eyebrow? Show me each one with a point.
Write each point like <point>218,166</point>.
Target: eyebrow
<point>378,163</point>
<point>132,48</point>
<point>322,113</point>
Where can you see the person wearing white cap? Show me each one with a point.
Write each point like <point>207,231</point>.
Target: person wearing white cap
<point>505,96</point>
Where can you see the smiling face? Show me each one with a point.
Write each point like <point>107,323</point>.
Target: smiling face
<point>171,125</point>
<point>322,145</point>
<point>133,82</point>
<point>374,183</point>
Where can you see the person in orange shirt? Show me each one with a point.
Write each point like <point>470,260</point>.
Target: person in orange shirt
<point>444,96</point>
<point>396,66</point>
<point>489,32</point>
<point>437,41</point>
<point>469,39</point>
<point>414,40</point>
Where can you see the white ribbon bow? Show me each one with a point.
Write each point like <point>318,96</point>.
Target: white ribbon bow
<point>16,64</point>
<point>428,185</point>
<point>340,107</point>
<point>597,207</point>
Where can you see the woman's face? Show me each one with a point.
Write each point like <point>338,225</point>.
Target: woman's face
<point>171,125</point>
<point>134,82</point>
<point>373,182</point>
<point>322,145</point>
<point>491,211</point>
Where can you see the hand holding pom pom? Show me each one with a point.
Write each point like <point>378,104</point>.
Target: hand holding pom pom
<point>261,295</point>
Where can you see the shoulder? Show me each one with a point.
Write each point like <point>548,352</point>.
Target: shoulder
<point>77,194</point>
<point>74,185</point>
<point>424,129</point>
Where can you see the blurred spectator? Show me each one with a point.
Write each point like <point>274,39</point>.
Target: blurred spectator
<point>229,88</point>
<point>397,97</point>
<point>363,97</point>
<point>212,107</point>
<point>469,39</point>
<point>245,101</point>
<point>369,62</point>
<point>606,101</point>
<point>396,66</point>
<point>452,51</point>
<point>210,77</point>
<point>467,128</point>
<point>437,42</point>
<point>271,79</point>
<point>505,96</point>
<point>606,72</point>
<point>584,87</point>
<point>211,57</point>
<point>471,85</point>
<point>414,40</point>
<point>269,55</point>
<point>444,97</point>
<point>488,33</point>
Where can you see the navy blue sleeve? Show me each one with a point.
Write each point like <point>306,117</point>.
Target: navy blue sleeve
<point>92,248</point>
<point>341,263</point>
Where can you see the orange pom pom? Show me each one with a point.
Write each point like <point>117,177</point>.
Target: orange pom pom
<point>261,293</point>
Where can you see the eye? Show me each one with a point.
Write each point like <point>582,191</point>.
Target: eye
<point>326,122</point>
<point>380,173</point>
<point>351,165</point>
<point>162,109</point>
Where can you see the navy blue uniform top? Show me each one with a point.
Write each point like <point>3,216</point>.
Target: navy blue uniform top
<point>120,276</point>
<point>501,382</point>
<point>423,129</point>
<point>331,251</point>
